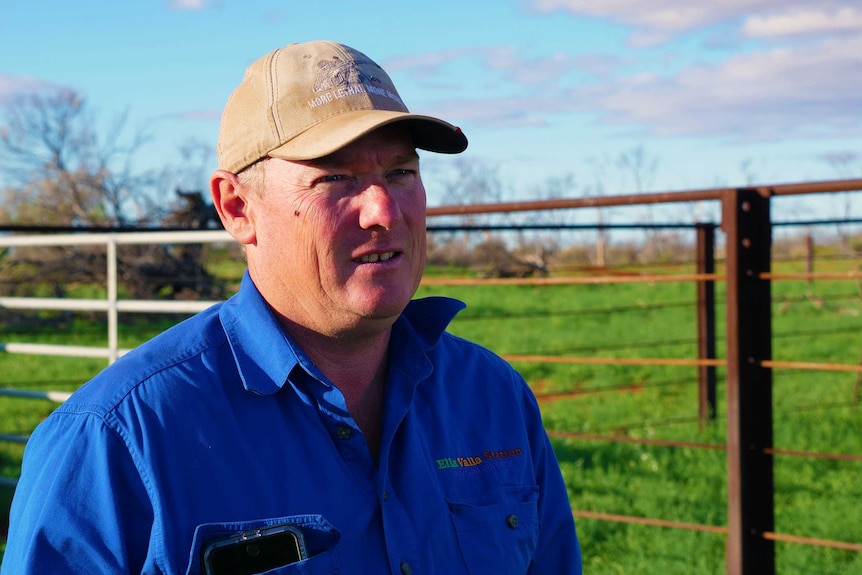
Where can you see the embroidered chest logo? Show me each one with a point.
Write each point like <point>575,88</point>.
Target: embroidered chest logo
<point>486,460</point>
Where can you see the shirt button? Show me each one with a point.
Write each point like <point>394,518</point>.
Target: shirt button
<point>385,495</point>
<point>344,432</point>
<point>512,521</point>
<point>406,569</point>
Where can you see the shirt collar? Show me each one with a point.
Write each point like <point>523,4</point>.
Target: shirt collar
<point>263,352</point>
<point>427,318</point>
<point>265,355</point>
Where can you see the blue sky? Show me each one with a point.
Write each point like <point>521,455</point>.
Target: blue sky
<point>726,92</point>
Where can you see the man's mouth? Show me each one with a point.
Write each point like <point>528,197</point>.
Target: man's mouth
<point>372,258</point>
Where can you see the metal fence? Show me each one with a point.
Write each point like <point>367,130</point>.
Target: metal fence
<point>748,364</point>
<point>111,304</point>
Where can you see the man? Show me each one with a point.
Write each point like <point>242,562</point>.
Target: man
<point>319,402</point>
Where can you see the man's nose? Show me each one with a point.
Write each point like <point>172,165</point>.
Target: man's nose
<point>378,207</point>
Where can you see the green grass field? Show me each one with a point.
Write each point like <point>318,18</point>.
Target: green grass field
<point>814,411</point>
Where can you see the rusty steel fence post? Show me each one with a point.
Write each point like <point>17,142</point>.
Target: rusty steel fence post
<point>706,374</point>
<point>750,487</point>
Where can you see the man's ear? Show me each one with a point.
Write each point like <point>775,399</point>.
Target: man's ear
<point>229,199</point>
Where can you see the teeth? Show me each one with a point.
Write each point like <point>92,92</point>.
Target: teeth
<point>371,258</point>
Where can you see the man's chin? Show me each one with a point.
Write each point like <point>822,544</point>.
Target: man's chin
<point>382,306</point>
<point>385,310</point>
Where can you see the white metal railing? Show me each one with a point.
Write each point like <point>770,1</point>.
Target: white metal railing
<point>111,304</point>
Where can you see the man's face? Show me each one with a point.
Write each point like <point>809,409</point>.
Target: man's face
<point>340,240</point>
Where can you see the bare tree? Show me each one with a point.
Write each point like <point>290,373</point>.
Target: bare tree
<point>847,165</point>
<point>61,170</point>
<point>553,188</point>
<point>474,182</point>
<point>468,182</point>
<point>598,189</point>
<point>641,167</point>
<point>535,251</point>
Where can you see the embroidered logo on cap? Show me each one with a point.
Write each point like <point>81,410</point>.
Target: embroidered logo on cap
<point>337,78</point>
<point>336,72</point>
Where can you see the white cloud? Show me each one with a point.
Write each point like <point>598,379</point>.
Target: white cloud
<point>780,93</point>
<point>189,5</point>
<point>780,88</point>
<point>804,21</point>
<point>11,86</point>
<point>422,64</point>
<point>773,95</point>
<point>598,64</point>
<point>499,113</point>
<point>507,61</point>
<point>654,22</point>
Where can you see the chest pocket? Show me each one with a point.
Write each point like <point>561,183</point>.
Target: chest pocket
<point>498,533</point>
<point>320,538</point>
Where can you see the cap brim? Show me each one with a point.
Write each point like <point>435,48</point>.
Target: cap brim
<point>328,136</point>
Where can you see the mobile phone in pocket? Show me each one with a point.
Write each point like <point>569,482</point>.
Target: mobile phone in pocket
<point>254,551</point>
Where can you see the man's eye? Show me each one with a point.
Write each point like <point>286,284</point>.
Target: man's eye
<point>334,183</point>
<point>401,173</point>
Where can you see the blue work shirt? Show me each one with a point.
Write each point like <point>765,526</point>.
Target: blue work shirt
<point>223,424</point>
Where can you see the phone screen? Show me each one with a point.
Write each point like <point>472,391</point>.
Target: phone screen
<point>254,551</point>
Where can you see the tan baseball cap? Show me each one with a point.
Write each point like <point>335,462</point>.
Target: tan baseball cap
<point>307,100</point>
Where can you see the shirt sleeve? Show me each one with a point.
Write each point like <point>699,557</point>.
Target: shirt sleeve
<point>79,503</point>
